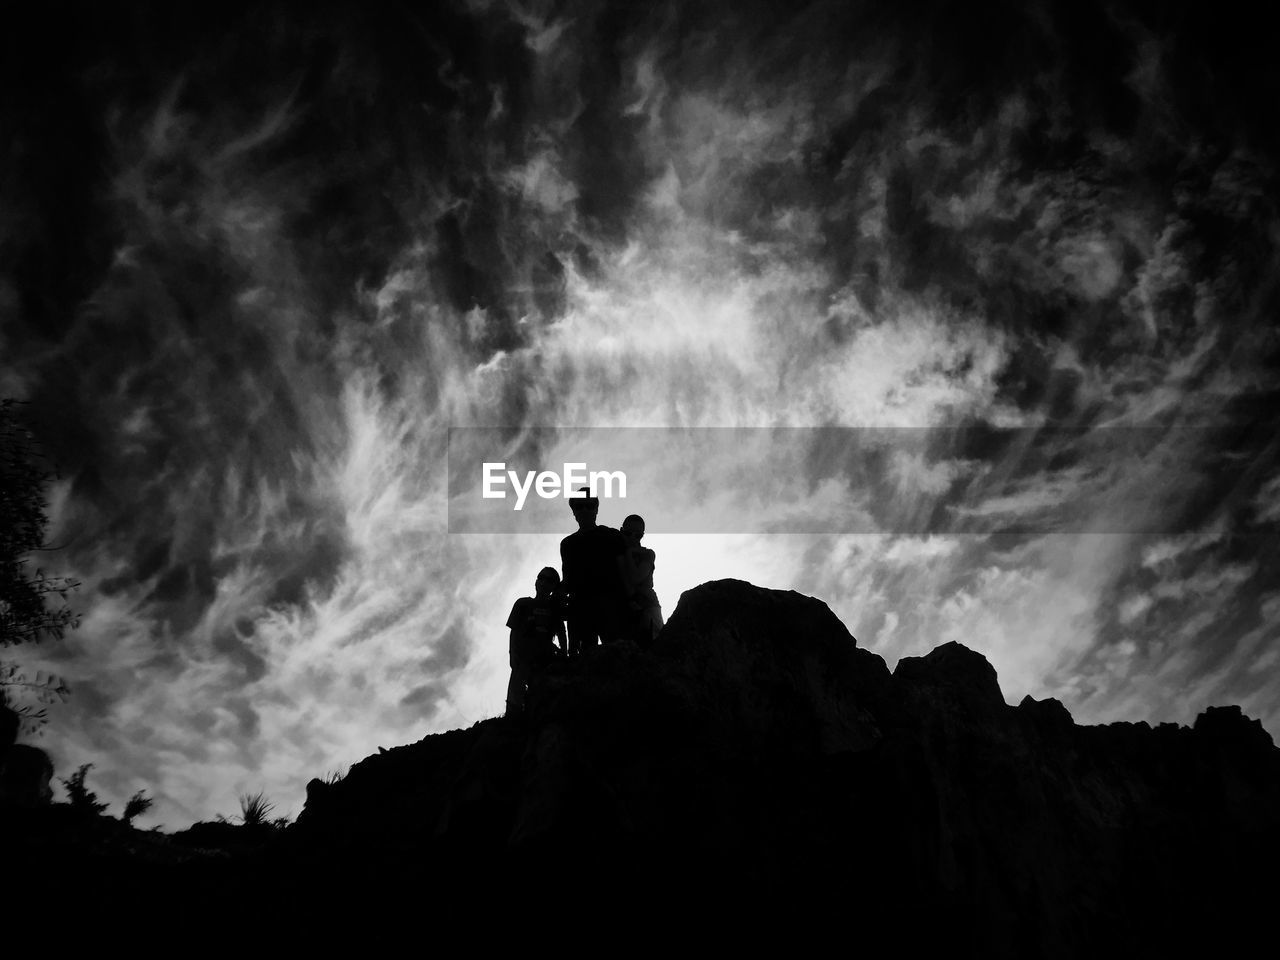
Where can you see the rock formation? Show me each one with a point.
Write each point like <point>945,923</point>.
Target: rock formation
<point>25,771</point>
<point>758,768</point>
<point>758,753</point>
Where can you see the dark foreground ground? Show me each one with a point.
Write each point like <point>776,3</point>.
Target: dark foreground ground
<point>756,774</point>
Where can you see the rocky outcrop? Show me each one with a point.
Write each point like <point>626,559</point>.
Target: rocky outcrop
<point>758,769</point>
<point>26,772</point>
<point>26,776</point>
<point>759,755</point>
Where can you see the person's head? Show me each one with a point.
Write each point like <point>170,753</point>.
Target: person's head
<point>547,582</point>
<point>585,507</point>
<point>633,528</point>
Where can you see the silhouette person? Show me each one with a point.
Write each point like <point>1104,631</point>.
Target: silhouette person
<point>591,560</point>
<point>644,612</point>
<point>536,625</point>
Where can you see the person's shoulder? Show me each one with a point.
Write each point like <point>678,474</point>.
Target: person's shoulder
<point>612,538</point>
<point>648,554</point>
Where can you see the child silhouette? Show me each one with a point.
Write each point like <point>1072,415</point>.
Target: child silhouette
<point>536,626</point>
<point>644,612</point>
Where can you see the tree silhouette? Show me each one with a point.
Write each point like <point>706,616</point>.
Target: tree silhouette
<point>26,613</point>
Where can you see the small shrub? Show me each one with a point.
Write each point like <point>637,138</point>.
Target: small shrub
<point>82,798</point>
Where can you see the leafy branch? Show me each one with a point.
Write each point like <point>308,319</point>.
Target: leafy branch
<point>137,805</point>
<point>26,612</point>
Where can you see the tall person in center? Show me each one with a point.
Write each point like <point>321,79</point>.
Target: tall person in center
<point>591,559</point>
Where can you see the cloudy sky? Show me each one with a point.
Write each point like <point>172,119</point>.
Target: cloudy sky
<point>255,265</point>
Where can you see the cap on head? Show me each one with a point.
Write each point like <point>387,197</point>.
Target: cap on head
<point>635,520</point>
<point>549,573</point>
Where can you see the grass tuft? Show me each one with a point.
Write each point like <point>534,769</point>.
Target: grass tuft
<point>254,808</point>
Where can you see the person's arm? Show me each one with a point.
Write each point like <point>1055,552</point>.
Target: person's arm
<point>516,622</point>
<point>560,635</point>
<point>625,576</point>
<point>614,544</point>
<point>566,574</point>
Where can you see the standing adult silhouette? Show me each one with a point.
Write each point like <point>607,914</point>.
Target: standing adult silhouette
<point>590,559</point>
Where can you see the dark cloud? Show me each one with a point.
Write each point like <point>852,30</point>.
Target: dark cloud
<point>449,652</point>
<point>424,700</point>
